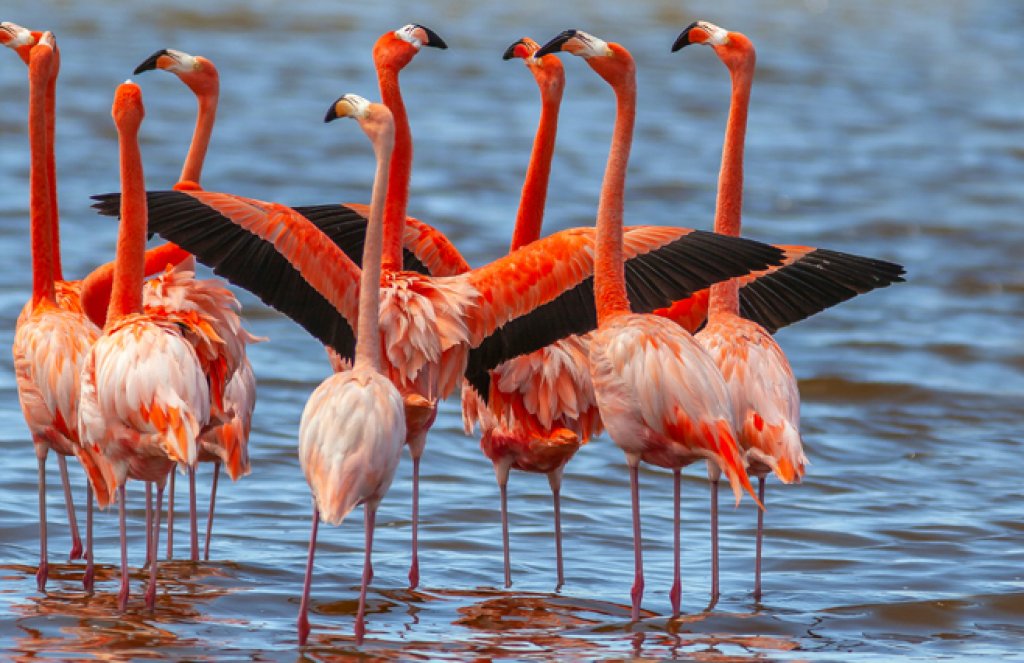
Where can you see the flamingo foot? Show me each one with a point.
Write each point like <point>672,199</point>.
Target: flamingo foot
<point>76,548</point>
<point>42,573</point>
<point>675,595</point>
<point>636,594</point>
<point>414,573</point>
<point>303,628</point>
<point>360,630</point>
<point>89,579</point>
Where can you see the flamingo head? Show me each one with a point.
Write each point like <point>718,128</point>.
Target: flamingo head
<point>733,48</point>
<point>127,109</point>
<point>375,119</point>
<point>195,71</point>
<point>547,69</point>
<point>17,38</point>
<point>611,61</point>
<point>394,50</point>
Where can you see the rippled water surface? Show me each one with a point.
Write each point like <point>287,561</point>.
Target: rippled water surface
<point>889,130</point>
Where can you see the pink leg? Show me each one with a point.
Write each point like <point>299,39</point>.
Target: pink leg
<point>714,541</point>
<point>675,593</point>
<point>90,571</point>
<point>151,590</point>
<point>122,597</point>
<point>638,581</point>
<point>303,623</point>
<point>192,513</point>
<point>44,567</point>
<point>76,540</point>
<point>555,492</point>
<point>170,516</point>
<point>149,523</point>
<point>760,530</point>
<point>371,514</point>
<point>503,491</point>
<point>414,568</point>
<point>209,516</point>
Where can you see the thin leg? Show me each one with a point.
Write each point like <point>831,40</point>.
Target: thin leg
<point>122,597</point>
<point>714,540</point>
<point>149,524</point>
<point>76,540</point>
<point>151,590</point>
<point>638,581</point>
<point>303,623</point>
<point>192,513</point>
<point>209,516</point>
<point>503,491</point>
<point>760,531</point>
<point>90,570</point>
<point>371,514</point>
<point>555,493</point>
<point>677,585</point>
<point>44,567</point>
<point>414,568</point>
<point>170,516</point>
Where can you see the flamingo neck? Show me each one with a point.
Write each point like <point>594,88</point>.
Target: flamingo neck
<point>729,207</point>
<point>609,269</point>
<point>530,216</point>
<point>40,219</point>
<point>368,327</point>
<point>51,169</point>
<point>400,172</point>
<point>129,261</point>
<point>192,171</point>
<point>96,287</point>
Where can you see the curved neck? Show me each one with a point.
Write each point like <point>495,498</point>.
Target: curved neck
<point>609,270</point>
<point>367,331</point>
<point>126,293</point>
<point>729,206</point>
<point>535,188</point>
<point>96,287</point>
<point>40,218</point>
<point>192,171</point>
<point>399,173</point>
<point>51,169</point>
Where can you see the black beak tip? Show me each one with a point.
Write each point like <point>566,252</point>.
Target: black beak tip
<point>555,44</point>
<point>332,113</point>
<point>150,62</point>
<point>510,52</point>
<point>683,40</point>
<point>433,39</point>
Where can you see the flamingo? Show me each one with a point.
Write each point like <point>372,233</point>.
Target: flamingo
<point>764,392</point>
<point>227,443</point>
<point>353,426</point>
<point>144,395</point>
<point>661,397</point>
<point>543,403</point>
<point>52,334</point>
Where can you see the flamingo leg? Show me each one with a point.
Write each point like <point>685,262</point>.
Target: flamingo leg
<point>638,581</point>
<point>170,517</point>
<point>677,586</point>
<point>414,568</point>
<point>759,537</point>
<point>303,622</point>
<point>192,513</point>
<point>90,570</point>
<point>122,596</point>
<point>371,515</point>
<point>149,523</point>
<point>44,567</point>
<point>209,516</point>
<point>76,540</point>
<point>555,479</point>
<point>503,491</point>
<point>714,540</point>
<point>151,590</point>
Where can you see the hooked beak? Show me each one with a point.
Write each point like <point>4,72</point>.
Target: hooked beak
<point>555,45</point>
<point>150,62</point>
<point>433,39</point>
<point>510,52</point>
<point>683,39</point>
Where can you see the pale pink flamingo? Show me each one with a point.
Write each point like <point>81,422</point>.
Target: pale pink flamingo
<point>764,392</point>
<point>227,442</point>
<point>144,397</point>
<point>662,399</point>
<point>542,405</point>
<point>353,426</point>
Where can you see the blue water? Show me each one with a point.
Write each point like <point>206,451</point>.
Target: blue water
<point>890,130</point>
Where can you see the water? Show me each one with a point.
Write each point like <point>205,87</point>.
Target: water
<point>888,130</point>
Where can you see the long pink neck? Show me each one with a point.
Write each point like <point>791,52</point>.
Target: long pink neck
<point>530,217</point>
<point>40,219</point>
<point>609,270</point>
<point>51,168</point>
<point>729,207</point>
<point>400,173</point>
<point>368,327</point>
<point>192,171</point>
<point>129,263</point>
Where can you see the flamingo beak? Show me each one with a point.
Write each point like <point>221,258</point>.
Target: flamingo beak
<point>150,62</point>
<point>555,45</point>
<point>433,39</point>
<point>510,52</point>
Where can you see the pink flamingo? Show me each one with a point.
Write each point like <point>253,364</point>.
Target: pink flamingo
<point>353,426</point>
<point>661,397</point>
<point>144,394</point>
<point>542,406</point>
<point>764,392</point>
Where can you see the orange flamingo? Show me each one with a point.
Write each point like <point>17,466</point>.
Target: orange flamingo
<point>353,426</point>
<point>764,392</point>
<point>144,397</point>
<point>228,442</point>
<point>661,397</point>
<point>543,403</point>
<point>52,334</point>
